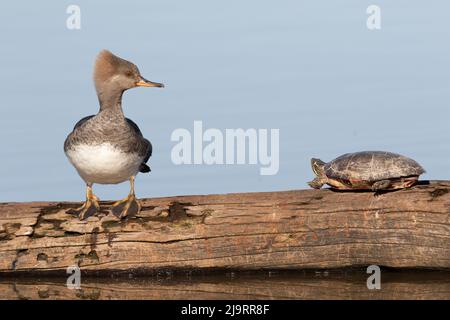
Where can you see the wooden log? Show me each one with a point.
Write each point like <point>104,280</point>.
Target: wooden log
<point>272,230</point>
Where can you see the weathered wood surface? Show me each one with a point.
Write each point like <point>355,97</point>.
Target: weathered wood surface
<point>399,285</point>
<point>277,230</point>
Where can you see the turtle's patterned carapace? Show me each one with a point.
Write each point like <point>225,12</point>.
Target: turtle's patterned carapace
<point>367,170</point>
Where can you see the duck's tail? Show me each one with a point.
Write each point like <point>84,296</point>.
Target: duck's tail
<point>144,168</point>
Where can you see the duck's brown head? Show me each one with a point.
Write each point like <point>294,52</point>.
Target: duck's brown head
<point>113,75</point>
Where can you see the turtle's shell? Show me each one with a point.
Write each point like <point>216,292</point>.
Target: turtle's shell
<point>371,166</point>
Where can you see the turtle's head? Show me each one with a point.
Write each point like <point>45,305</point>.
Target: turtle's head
<point>317,166</point>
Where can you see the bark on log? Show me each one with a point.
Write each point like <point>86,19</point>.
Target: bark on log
<point>276,230</point>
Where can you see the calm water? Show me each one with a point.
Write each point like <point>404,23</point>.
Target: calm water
<point>309,68</point>
<point>276,285</point>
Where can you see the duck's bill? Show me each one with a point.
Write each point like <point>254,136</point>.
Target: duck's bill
<point>147,83</point>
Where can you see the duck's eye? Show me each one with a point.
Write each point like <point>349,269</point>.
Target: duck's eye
<point>129,74</point>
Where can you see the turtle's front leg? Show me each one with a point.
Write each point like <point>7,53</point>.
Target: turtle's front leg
<point>317,183</point>
<point>381,185</point>
<point>129,206</point>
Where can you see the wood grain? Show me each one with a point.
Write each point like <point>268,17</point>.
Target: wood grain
<point>300,229</point>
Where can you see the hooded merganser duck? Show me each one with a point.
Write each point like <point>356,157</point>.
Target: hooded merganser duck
<point>108,148</point>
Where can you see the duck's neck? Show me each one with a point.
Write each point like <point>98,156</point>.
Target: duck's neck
<point>110,99</point>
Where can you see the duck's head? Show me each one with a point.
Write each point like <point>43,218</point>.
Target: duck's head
<point>113,74</point>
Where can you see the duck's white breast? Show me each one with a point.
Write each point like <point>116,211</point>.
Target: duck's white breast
<point>104,163</point>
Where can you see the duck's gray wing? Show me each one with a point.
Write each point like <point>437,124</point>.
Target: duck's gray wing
<point>77,125</point>
<point>146,145</point>
<point>83,120</point>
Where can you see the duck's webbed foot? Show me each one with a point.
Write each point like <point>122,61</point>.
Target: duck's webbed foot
<point>127,207</point>
<point>90,208</point>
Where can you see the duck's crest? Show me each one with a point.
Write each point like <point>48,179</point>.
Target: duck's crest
<point>106,65</point>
